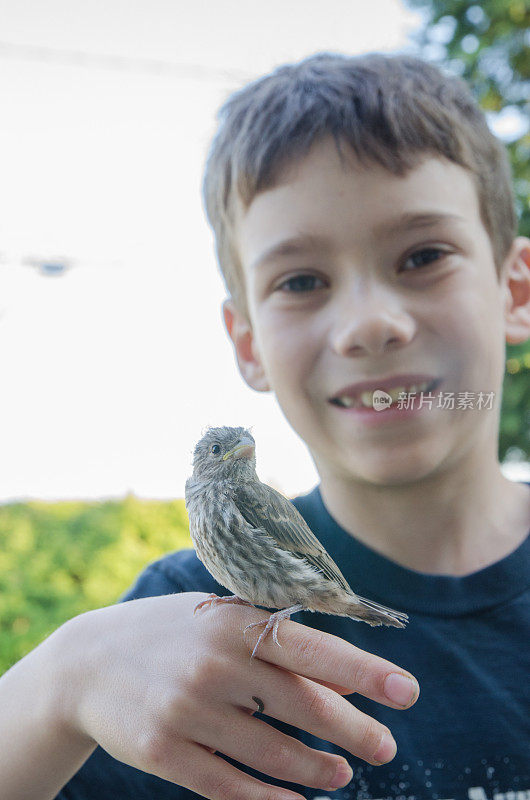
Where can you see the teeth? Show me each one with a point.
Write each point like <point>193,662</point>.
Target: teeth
<point>347,402</point>
<point>394,393</point>
<point>367,398</point>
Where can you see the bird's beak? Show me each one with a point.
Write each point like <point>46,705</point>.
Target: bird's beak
<point>243,449</point>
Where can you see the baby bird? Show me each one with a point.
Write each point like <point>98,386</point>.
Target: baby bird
<point>256,544</point>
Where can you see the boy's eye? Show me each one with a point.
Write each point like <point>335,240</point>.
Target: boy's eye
<point>422,257</point>
<point>301,283</point>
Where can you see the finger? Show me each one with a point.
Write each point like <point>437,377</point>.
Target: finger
<point>334,686</point>
<point>257,744</point>
<point>329,659</point>
<point>318,710</point>
<point>190,765</point>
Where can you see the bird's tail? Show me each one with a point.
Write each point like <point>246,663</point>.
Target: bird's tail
<point>375,614</point>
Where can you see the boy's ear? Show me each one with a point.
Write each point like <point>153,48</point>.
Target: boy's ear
<point>516,277</point>
<point>247,356</point>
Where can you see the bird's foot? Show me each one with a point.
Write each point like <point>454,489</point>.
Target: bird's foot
<point>271,624</point>
<point>214,599</point>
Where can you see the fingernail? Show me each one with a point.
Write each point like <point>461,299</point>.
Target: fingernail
<point>342,777</point>
<point>387,749</point>
<point>401,689</point>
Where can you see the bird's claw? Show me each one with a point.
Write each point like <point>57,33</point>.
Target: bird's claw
<point>268,627</point>
<point>272,624</point>
<point>208,602</point>
<point>214,599</point>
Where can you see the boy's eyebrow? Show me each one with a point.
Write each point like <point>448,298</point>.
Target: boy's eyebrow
<point>422,219</point>
<point>305,243</point>
<point>293,246</point>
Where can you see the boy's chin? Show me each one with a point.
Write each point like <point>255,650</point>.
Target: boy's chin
<point>397,472</point>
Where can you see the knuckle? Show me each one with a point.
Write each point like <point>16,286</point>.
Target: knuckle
<point>369,737</point>
<point>326,773</point>
<point>323,706</point>
<point>270,793</point>
<point>227,787</point>
<point>236,786</point>
<point>308,649</point>
<point>362,675</point>
<point>275,750</point>
<point>205,674</point>
<point>154,748</point>
<point>180,707</point>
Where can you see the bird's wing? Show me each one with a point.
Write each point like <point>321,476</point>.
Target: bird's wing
<point>265,508</point>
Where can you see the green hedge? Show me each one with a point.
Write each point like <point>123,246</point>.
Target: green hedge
<point>60,559</point>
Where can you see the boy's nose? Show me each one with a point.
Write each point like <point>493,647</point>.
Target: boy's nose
<point>370,324</point>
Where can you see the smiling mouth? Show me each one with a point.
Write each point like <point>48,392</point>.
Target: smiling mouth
<point>366,399</point>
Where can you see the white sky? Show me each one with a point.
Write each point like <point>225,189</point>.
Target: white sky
<point>111,371</point>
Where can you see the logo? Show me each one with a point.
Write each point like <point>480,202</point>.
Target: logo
<point>381,400</point>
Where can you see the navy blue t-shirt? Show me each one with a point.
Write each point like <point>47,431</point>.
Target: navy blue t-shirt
<point>467,642</point>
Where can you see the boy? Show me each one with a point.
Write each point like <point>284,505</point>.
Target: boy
<point>364,224</point>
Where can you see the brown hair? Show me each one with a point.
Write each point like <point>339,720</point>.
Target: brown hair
<point>391,109</point>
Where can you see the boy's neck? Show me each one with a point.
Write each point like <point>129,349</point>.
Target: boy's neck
<point>454,523</point>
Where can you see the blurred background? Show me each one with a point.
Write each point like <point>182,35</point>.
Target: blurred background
<point>112,352</point>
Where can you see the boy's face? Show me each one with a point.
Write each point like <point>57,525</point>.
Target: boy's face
<point>397,282</point>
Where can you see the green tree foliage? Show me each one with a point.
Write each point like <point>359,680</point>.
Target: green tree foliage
<point>488,44</point>
<point>58,560</point>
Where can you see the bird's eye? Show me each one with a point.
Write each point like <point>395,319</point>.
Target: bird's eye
<point>216,449</point>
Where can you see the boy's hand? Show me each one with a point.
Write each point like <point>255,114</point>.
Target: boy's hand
<point>163,689</point>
